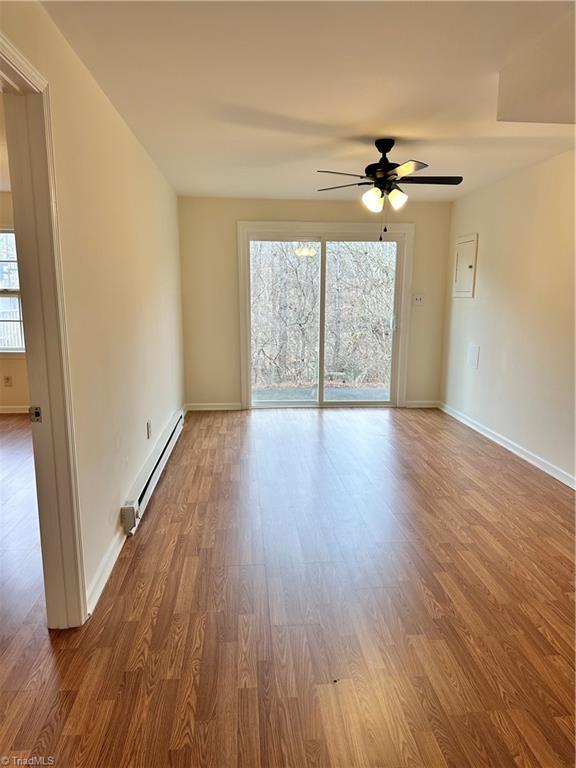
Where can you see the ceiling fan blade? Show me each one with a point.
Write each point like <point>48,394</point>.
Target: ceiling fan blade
<point>341,186</point>
<point>431,180</point>
<point>410,166</point>
<point>338,173</point>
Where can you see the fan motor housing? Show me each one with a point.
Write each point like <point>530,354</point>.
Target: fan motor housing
<point>379,170</point>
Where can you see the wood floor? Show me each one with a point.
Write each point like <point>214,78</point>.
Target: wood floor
<point>345,588</point>
<point>21,581</point>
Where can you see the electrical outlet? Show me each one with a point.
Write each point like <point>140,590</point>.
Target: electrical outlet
<point>148,430</point>
<point>8,382</point>
<point>418,298</point>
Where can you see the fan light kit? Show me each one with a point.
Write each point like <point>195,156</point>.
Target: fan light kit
<point>383,178</point>
<point>373,199</point>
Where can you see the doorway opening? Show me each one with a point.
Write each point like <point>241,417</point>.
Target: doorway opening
<point>34,314</point>
<point>324,314</point>
<point>21,578</point>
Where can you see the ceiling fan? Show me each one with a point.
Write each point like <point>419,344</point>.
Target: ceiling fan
<point>384,176</point>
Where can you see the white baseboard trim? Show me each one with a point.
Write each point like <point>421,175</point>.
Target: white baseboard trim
<point>96,586</point>
<point>213,407</point>
<point>13,409</point>
<point>102,575</point>
<point>421,404</point>
<point>523,453</point>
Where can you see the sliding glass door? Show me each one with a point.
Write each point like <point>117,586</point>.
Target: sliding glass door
<point>285,321</point>
<point>322,321</point>
<point>359,320</point>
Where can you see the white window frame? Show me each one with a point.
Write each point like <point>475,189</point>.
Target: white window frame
<point>5,351</point>
<point>324,232</point>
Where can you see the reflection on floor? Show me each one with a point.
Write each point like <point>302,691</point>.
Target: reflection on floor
<point>21,581</point>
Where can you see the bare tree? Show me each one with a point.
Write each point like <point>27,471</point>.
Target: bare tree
<point>285,286</point>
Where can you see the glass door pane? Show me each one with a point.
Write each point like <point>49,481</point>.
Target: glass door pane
<point>285,321</point>
<point>359,324</point>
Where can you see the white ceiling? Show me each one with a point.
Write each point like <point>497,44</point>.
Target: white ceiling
<point>249,99</point>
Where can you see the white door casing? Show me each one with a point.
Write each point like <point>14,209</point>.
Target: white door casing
<point>28,129</point>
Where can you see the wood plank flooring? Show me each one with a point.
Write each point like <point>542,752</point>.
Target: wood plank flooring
<point>339,588</point>
<point>21,580</point>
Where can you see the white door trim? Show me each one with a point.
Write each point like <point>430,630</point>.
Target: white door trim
<point>300,230</point>
<point>28,128</point>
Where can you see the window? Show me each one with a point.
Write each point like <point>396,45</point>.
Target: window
<point>322,315</point>
<point>285,317</point>
<point>360,308</point>
<point>11,327</point>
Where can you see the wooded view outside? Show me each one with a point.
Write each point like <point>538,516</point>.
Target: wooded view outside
<point>285,320</point>
<point>360,278</point>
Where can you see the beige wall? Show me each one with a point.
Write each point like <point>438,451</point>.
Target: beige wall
<point>121,273</point>
<point>15,397</point>
<point>522,315</point>
<point>210,287</point>
<point>6,216</point>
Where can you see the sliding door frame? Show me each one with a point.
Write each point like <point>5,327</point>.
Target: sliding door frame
<point>324,232</point>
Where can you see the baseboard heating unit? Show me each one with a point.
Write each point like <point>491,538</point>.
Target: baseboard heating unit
<point>133,510</point>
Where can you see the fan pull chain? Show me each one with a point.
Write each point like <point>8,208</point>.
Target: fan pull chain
<point>384,227</point>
